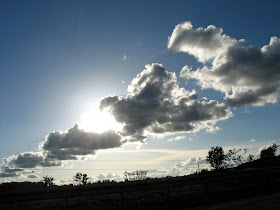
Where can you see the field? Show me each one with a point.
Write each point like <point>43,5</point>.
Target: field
<point>164,193</point>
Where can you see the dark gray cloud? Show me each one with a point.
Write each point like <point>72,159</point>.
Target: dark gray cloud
<point>10,172</point>
<point>68,145</point>
<point>19,164</point>
<point>59,146</point>
<point>155,104</point>
<point>4,174</point>
<point>32,176</point>
<point>204,44</point>
<point>247,75</point>
<point>28,160</point>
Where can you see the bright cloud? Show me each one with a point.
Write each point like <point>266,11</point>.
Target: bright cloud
<point>124,57</point>
<point>156,105</point>
<point>177,138</point>
<point>204,44</point>
<point>247,75</point>
<point>187,167</point>
<point>96,121</point>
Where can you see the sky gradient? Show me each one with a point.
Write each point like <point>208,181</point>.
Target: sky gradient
<point>178,77</point>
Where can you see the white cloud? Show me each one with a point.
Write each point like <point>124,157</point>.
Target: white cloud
<point>183,168</point>
<point>109,176</point>
<point>247,75</point>
<point>156,105</point>
<point>177,138</point>
<point>191,162</point>
<point>204,44</point>
<point>252,140</point>
<point>163,172</point>
<point>124,57</point>
<point>267,146</point>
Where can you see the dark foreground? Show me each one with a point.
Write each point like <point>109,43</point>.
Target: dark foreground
<point>187,192</point>
<point>267,202</point>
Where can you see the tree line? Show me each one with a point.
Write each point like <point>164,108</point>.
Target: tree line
<point>219,160</point>
<point>216,157</point>
<point>81,179</point>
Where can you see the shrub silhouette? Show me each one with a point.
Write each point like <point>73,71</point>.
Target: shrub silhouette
<point>82,179</point>
<point>216,157</point>
<point>48,181</point>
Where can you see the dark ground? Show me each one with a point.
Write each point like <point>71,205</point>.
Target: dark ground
<point>185,192</point>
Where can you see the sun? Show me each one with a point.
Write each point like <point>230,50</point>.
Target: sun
<point>96,121</point>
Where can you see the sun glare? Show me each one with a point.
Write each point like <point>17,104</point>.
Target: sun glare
<point>97,121</point>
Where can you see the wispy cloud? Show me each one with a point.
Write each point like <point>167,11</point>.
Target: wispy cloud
<point>124,57</point>
<point>177,138</point>
<point>32,176</point>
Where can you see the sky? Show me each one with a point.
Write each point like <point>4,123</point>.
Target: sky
<point>104,87</point>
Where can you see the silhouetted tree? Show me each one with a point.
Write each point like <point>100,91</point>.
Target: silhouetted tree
<point>48,181</point>
<point>135,175</point>
<point>216,157</point>
<point>269,153</point>
<point>235,157</point>
<point>82,179</point>
<point>251,158</point>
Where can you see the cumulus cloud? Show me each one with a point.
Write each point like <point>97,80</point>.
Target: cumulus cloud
<point>203,43</point>
<point>248,75</point>
<point>10,171</point>
<point>183,168</point>
<point>8,174</point>
<point>270,144</point>
<point>163,172</point>
<point>191,165</point>
<point>191,162</point>
<point>59,146</point>
<point>28,160</point>
<point>156,105</point>
<point>109,176</point>
<point>18,164</point>
<point>68,145</point>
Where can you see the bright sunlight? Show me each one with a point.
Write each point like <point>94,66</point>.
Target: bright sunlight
<point>96,121</point>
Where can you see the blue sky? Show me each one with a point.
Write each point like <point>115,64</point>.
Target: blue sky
<point>58,59</point>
